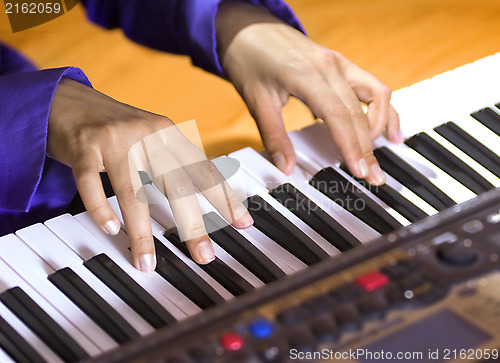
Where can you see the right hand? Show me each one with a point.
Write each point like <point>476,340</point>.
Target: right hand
<point>91,132</point>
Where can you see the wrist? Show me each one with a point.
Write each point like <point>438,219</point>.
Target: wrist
<point>235,15</point>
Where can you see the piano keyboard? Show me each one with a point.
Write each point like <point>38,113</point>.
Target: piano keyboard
<point>68,291</point>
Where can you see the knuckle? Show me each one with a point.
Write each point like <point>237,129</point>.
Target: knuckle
<point>340,112</point>
<point>271,136</point>
<point>369,157</point>
<point>331,58</point>
<point>99,210</point>
<point>161,122</point>
<point>384,91</point>
<point>141,242</point>
<point>183,186</point>
<point>140,127</point>
<point>127,195</point>
<point>197,230</point>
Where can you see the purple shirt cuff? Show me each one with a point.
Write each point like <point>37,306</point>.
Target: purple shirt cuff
<point>25,106</point>
<point>201,29</point>
<point>175,26</point>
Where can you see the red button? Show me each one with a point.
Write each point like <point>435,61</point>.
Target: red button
<point>231,341</point>
<point>372,281</point>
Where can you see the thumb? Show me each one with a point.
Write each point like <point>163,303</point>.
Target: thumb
<point>267,115</point>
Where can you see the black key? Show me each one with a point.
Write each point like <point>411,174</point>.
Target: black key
<point>42,325</point>
<point>488,118</point>
<point>241,249</point>
<point>331,183</point>
<point>392,198</point>
<point>129,291</point>
<point>412,179</point>
<point>274,225</point>
<point>314,217</point>
<point>218,269</point>
<point>16,346</point>
<point>498,105</point>
<point>470,146</point>
<point>182,277</point>
<point>83,296</point>
<point>445,160</point>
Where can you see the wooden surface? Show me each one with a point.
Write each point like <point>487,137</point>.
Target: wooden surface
<point>399,41</point>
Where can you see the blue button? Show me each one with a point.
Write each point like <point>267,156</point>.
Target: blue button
<point>261,328</point>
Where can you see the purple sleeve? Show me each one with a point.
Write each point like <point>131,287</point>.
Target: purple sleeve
<point>30,181</point>
<point>175,26</point>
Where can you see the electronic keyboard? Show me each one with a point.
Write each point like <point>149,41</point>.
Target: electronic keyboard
<point>331,265</point>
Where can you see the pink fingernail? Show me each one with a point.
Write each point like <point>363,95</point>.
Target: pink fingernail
<point>206,251</point>
<point>378,174</point>
<point>147,262</point>
<point>400,136</point>
<point>245,221</point>
<point>363,168</point>
<point>112,227</point>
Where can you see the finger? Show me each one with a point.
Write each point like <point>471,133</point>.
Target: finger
<point>328,106</point>
<point>205,176</point>
<point>381,114</point>
<point>187,214</point>
<point>375,174</point>
<point>135,213</point>
<point>88,182</point>
<point>394,133</point>
<point>266,110</point>
<point>214,187</point>
<point>170,177</point>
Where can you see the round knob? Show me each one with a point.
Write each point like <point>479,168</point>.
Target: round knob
<point>460,253</point>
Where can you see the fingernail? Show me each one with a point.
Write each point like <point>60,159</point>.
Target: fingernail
<point>245,221</point>
<point>279,160</point>
<point>147,262</point>
<point>112,227</point>
<point>378,174</point>
<point>206,251</point>
<point>363,168</point>
<point>400,136</point>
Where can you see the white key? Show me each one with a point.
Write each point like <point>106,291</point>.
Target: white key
<point>444,98</point>
<point>315,142</point>
<point>93,241</point>
<point>28,335</point>
<point>245,185</point>
<point>162,220</point>
<point>254,187</point>
<point>58,255</point>
<point>480,132</point>
<point>283,259</point>
<point>481,170</point>
<point>158,231</point>
<point>410,196</point>
<point>34,271</point>
<point>10,278</point>
<point>4,357</point>
<point>435,175</point>
<point>271,177</point>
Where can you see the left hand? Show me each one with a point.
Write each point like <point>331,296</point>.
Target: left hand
<point>268,61</point>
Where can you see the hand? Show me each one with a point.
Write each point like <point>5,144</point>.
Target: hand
<point>269,61</point>
<point>91,132</point>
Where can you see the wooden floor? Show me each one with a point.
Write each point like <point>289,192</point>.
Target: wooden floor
<point>399,41</point>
